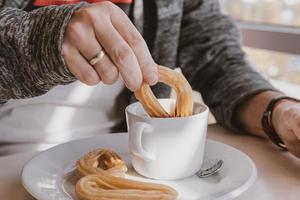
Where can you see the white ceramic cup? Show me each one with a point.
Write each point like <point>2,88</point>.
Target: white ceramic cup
<point>166,148</point>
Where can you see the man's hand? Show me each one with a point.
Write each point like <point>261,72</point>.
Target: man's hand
<point>286,121</point>
<point>285,118</point>
<point>104,25</point>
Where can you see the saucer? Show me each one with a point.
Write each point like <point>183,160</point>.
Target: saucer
<point>50,175</point>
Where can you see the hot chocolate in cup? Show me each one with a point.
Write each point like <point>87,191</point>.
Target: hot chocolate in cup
<point>166,148</point>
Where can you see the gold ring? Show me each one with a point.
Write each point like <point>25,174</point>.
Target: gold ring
<point>97,58</point>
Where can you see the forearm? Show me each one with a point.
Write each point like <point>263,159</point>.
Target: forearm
<point>31,61</point>
<point>214,62</point>
<point>21,4</point>
<point>249,114</point>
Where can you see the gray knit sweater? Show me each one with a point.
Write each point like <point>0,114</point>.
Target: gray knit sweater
<point>191,34</point>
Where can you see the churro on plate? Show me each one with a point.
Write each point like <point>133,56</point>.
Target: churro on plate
<point>101,174</point>
<point>100,161</point>
<point>99,187</point>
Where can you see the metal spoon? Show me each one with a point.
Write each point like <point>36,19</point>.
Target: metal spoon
<point>209,168</point>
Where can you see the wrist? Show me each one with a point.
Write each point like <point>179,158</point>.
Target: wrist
<point>48,46</point>
<point>272,118</point>
<point>251,111</point>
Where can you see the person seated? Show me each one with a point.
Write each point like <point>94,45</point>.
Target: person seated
<point>46,44</point>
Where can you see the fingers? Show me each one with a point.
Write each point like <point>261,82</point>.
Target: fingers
<point>78,66</point>
<point>89,47</point>
<point>293,146</point>
<point>124,26</point>
<point>107,70</point>
<point>105,25</point>
<point>291,129</point>
<point>296,126</point>
<point>121,54</point>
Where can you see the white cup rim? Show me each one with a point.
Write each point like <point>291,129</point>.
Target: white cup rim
<point>131,106</point>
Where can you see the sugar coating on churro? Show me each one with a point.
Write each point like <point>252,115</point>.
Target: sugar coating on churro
<point>100,161</point>
<point>102,173</point>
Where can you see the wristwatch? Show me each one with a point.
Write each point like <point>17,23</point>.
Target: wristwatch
<point>266,120</point>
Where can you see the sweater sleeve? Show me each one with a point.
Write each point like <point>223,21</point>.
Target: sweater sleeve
<point>31,62</point>
<point>213,61</point>
<point>21,4</point>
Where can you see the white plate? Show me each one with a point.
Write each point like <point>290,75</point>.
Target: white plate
<point>50,174</point>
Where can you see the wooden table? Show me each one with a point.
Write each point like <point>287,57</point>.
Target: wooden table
<point>278,172</point>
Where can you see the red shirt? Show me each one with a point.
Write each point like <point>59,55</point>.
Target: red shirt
<point>61,2</point>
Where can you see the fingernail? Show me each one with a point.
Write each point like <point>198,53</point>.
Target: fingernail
<point>134,84</point>
<point>152,79</point>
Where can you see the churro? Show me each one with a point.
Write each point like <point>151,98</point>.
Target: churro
<point>95,187</point>
<point>184,101</point>
<point>102,177</point>
<point>95,162</point>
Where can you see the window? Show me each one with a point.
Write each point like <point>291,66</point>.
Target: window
<point>276,65</point>
<point>284,12</point>
<point>271,35</point>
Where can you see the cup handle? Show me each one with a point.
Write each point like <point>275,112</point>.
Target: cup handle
<point>135,141</point>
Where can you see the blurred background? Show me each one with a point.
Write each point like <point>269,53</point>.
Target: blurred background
<point>277,19</point>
